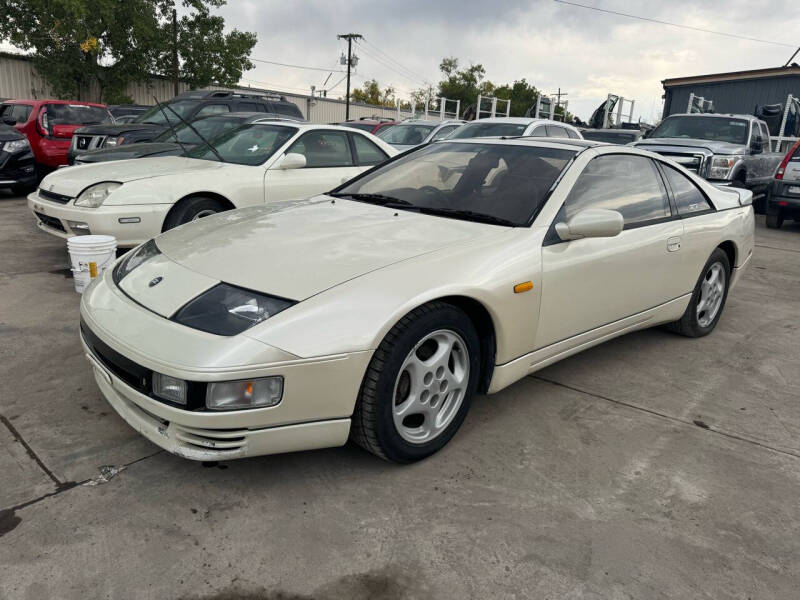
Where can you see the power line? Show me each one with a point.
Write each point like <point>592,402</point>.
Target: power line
<point>387,65</point>
<point>271,62</point>
<point>392,59</point>
<point>622,14</point>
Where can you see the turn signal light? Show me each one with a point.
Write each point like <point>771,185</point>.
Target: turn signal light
<point>523,287</point>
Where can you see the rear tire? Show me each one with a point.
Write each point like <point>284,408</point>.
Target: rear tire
<point>774,221</point>
<point>192,209</point>
<point>419,384</point>
<point>708,298</point>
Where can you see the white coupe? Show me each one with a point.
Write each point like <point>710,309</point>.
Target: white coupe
<point>260,162</point>
<point>376,311</point>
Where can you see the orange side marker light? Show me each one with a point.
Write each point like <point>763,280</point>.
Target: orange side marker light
<point>526,286</point>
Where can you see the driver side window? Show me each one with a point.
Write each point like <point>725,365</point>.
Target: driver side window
<point>629,184</point>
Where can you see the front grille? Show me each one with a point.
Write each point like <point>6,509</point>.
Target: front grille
<point>138,377</point>
<point>89,142</point>
<point>51,222</point>
<point>55,197</point>
<point>690,162</point>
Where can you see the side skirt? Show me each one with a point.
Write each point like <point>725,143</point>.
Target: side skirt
<point>505,375</point>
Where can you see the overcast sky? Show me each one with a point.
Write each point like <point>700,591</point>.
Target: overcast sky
<point>585,52</point>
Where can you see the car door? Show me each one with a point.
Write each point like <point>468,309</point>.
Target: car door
<point>329,163</point>
<point>591,282</point>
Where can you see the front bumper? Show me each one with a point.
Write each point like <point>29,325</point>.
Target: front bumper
<point>17,169</point>
<point>54,218</point>
<point>318,398</point>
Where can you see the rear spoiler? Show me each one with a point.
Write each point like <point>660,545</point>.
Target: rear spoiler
<point>745,196</point>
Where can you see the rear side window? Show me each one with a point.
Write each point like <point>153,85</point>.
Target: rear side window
<point>539,132</point>
<point>286,109</point>
<point>556,131</point>
<point>251,107</point>
<point>688,198</point>
<point>324,149</point>
<point>573,134</point>
<point>18,112</point>
<point>367,153</point>
<point>444,132</point>
<point>628,184</point>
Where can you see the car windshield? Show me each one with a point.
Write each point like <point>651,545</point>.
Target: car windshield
<point>474,130</point>
<point>209,128</point>
<point>77,114</point>
<point>493,183</point>
<point>156,114</point>
<point>405,135</point>
<point>248,145</point>
<point>719,129</point>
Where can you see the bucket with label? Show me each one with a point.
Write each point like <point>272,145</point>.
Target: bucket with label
<point>90,255</point>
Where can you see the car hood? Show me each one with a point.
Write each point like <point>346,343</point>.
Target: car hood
<point>300,248</point>
<point>9,134</point>
<point>116,129</point>
<point>133,151</point>
<point>689,144</point>
<point>72,181</point>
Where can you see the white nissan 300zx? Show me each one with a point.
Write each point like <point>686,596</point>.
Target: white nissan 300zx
<point>263,161</point>
<point>376,311</point>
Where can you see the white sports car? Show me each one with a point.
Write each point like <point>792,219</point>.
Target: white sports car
<point>260,162</point>
<point>378,310</point>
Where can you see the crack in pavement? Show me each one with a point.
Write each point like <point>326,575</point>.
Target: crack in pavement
<point>8,518</point>
<point>656,413</point>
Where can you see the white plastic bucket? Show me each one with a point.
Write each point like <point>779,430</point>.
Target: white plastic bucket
<point>90,255</point>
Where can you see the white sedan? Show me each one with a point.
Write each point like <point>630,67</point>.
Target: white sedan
<point>260,162</point>
<point>375,312</point>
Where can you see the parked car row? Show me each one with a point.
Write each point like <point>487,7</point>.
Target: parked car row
<point>375,308</point>
<point>369,286</point>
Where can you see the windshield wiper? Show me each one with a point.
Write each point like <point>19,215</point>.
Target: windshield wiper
<point>379,199</point>
<point>469,215</point>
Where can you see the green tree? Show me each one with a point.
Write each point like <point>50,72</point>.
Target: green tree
<point>464,84</point>
<point>92,49</point>
<point>371,93</point>
<point>522,95</point>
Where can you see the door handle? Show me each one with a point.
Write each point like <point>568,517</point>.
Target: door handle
<point>673,244</point>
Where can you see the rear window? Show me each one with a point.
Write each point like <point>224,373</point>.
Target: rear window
<point>474,130</point>
<point>361,126</point>
<point>609,137</point>
<point>287,109</point>
<point>76,114</point>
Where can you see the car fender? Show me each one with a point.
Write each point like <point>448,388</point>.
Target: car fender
<point>357,314</point>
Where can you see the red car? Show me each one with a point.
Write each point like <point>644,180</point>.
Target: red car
<point>48,125</point>
<point>370,125</point>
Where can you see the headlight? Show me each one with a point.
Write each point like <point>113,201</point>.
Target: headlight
<point>169,388</point>
<point>95,195</point>
<point>721,167</point>
<point>135,258</point>
<point>229,310</point>
<point>253,393</point>
<point>15,146</point>
<point>112,141</point>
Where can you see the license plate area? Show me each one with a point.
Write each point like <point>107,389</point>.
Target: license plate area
<point>794,189</point>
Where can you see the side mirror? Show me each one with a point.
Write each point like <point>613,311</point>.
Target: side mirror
<point>756,147</point>
<point>591,222</point>
<point>292,161</point>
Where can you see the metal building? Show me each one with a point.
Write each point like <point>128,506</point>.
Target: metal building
<point>737,92</point>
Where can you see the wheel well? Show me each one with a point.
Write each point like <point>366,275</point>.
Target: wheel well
<point>482,320</point>
<point>222,199</point>
<point>741,176</point>
<point>730,249</point>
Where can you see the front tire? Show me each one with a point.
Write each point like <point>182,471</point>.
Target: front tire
<point>419,384</point>
<point>192,209</point>
<point>708,298</point>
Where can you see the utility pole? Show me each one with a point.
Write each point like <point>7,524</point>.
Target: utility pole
<point>558,103</point>
<point>350,61</point>
<point>791,57</point>
<point>175,51</point>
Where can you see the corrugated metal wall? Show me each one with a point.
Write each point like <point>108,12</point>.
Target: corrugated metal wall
<point>740,96</point>
<point>18,79</point>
